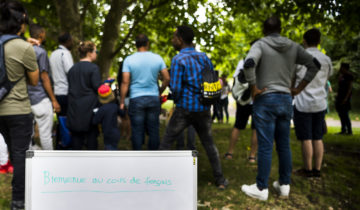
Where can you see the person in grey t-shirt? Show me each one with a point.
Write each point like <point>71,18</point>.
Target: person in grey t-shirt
<point>42,97</point>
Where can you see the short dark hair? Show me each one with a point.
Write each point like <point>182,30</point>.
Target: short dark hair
<point>64,38</point>
<point>272,25</point>
<point>35,30</point>
<point>12,16</point>
<point>141,40</point>
<point>312,37</point>
<point>185,33</point>
<point>86,47</point>
<point>345,66</point>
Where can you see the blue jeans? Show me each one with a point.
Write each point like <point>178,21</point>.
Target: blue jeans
<point>144,114</point>
<point>272,114</point>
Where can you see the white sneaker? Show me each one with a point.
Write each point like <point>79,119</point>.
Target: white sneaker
<point>254,192</point>
<point>283,190</point>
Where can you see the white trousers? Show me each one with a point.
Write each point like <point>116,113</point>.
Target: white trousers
<point>4,156</point>
<point>43,115</point>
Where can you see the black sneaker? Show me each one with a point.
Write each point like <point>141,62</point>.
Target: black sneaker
<point>222,185</point>
<point>17,205</point>
<point>304,173</point>
<point>316,173</point>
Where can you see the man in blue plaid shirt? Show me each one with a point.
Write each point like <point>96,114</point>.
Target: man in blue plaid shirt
<point>185,85</point>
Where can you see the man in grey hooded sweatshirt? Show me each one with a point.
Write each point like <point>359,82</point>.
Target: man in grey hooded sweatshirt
<point>269,69</point>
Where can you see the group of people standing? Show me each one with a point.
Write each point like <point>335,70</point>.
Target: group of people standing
<point>79,95</point>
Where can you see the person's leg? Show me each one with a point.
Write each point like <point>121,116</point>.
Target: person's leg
<point>347,122</point>
<point>265,111</point>
<point>265,125</point>
<point>307,153</point>
<point>202,124</point>
<point>18,138</point>
<point>282,137</point>
<point>43,114</point>
<point>233,139</point>
<point>317,142</point>
<point>254,146</point>
<point>342,116</point>
<point>191,138</point>
<point>180,141</point>
<point>4,155</point>
<point>177,125</point>
<point>241,119</point>
<point>77,140</point>
<point>318,153</point>
<point>225,107</point>
<point>152,121</point>
<point>91,137</point>
<point>62,100</point>
<point>137,120</point>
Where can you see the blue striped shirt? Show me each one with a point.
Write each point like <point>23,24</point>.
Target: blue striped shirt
<point>186,79</point>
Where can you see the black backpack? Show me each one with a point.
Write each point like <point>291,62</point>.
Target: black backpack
<point>210,85</point>
<point>5,84</point>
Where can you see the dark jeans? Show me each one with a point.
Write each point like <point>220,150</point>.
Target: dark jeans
<point>201,121</point>
<point>17,130</point>
<point>144,112</point>
<point>272,114</point>
<point>217,111</point>
<point>88,138</point>
<point>343,112</point>
<point>224,108</point>
<point>180,145</point>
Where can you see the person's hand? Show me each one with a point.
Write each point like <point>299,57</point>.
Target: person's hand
<point>255,91</point>
<point>56,106</point>
<point>122,106</point>
<point>295,91</point>
<point>33,41</point>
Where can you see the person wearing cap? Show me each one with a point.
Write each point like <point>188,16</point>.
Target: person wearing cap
<point>84,80</point>
<point>107,116</point>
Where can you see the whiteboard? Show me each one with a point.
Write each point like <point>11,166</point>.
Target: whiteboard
<point>105,180</point>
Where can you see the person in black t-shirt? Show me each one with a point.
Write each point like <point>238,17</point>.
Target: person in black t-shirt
<point>343,98</point>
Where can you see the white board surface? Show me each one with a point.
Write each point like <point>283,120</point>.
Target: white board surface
<point>106,180</point>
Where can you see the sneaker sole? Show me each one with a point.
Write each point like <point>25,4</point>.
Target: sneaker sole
<point>256,197</point>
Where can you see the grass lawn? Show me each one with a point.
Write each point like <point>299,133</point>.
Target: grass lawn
<point>339,187</point>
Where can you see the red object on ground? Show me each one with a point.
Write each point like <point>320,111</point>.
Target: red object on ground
<point>6,168</point>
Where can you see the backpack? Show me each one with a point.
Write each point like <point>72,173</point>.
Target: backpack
<point>210,85</point>
<point>5,84</point>
<point>241,91</point>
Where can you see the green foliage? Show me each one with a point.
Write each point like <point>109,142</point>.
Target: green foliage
<point>225,31</point>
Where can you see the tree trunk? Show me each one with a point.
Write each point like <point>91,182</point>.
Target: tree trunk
<point>111,34</point>
<point>70,20</point>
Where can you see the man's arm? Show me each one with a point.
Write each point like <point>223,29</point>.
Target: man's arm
<point>251,61</point>
<point>348,93</point>
<point>33,77</point>
<point>165,80</point>
<point>47,86</point>
<point>176,79</point>
<point>67,60</point>
<point>124,88</point>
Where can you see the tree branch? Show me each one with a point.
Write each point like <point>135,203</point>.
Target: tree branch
<point>136,22</point>
<point>84,11</point>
